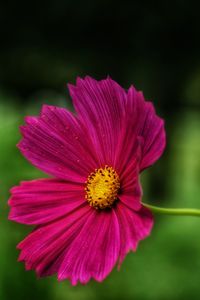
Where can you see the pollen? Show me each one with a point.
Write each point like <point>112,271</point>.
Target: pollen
<point>102,187</point>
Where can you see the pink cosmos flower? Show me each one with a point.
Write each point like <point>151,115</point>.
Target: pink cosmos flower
<point>89,215</point>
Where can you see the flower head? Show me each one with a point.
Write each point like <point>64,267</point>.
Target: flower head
<point>89,215</point>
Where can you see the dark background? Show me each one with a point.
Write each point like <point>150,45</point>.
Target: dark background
<point>155,46</point>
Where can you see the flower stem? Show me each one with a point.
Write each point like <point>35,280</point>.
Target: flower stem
<point>174,211</point>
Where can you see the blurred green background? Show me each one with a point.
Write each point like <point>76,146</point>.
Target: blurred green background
<point>155,46</point>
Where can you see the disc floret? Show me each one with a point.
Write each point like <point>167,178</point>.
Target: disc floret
<point>102,187</point>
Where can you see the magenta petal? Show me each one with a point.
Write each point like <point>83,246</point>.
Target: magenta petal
<point>43,249</point>
<point>94,251</point>
<point>81,246</point>
<point>116,120</point>
<point>134,226</point>
<point>58,144</point>
<point>132,201</point>
<point>154,138</point>
<point>147,125</point>
<point>86,244</point>
<point>131,191</point>
<point>100,105</point>
<point>44,200</point>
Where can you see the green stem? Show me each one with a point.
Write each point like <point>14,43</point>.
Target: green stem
<point>174,211</point>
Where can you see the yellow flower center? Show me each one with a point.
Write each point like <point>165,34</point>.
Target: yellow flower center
<point>102,187</point>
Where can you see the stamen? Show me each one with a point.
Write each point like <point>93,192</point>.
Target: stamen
<point>102,187</point>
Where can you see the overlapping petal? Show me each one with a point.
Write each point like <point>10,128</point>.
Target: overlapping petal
<point>82,246</point>
<point>131,191</point>
<point>43,249</point>
<point>86,244</point>
<point>147,125</point>
<point>100,106</point>
<point>134,227</point>
<point>116,120</point>
<point>58,144</point>
<point>44,200</point>
<point>94,251</point>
